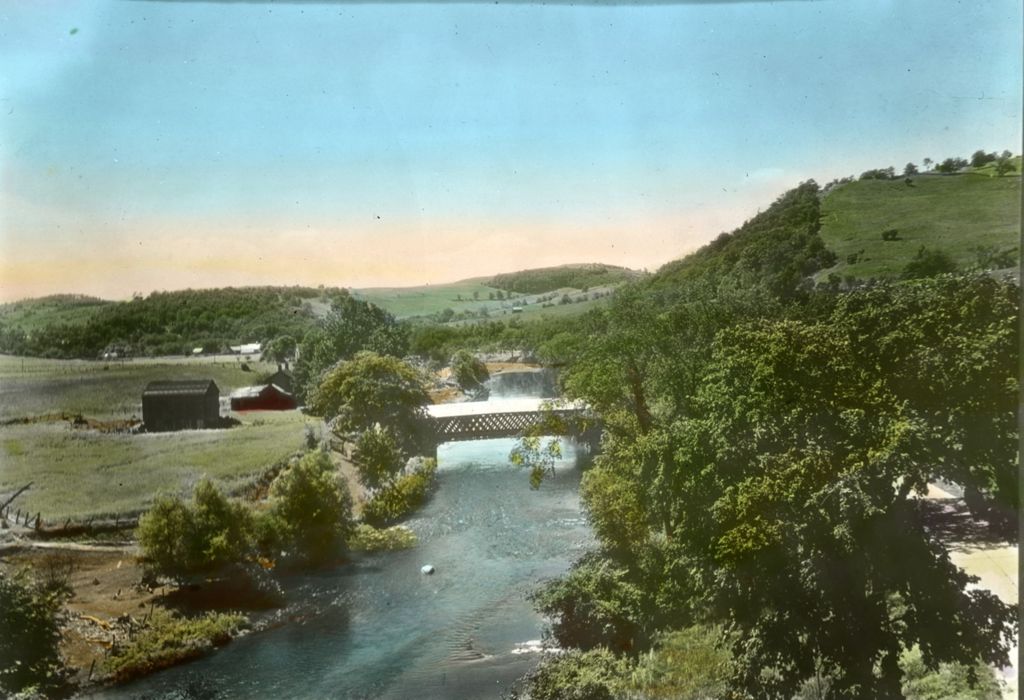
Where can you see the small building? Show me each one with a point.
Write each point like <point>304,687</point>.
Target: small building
<point>262,398</point>
<point>282,379</point>
<point>246,348</point>
<point>181,404</point>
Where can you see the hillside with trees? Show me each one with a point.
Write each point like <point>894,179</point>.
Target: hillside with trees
<point>548,279</point>
<point>758,533</point>
<point>166,323</point>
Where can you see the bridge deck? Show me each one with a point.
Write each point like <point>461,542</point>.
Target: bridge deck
<point>517,405</point>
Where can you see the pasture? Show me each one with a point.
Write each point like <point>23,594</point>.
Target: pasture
<point>81,472</point>
<point>952,213</point>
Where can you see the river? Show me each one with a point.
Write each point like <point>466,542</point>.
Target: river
<point>378,628</point>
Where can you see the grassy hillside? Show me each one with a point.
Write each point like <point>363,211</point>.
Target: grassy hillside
<point>548,279</point>
<point>954,213</point>
<point>405,302</point>
<point>60,309</point>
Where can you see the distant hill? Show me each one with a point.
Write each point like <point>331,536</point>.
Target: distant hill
<point>973,216</point>
<point>163,323</point>
<point>548,279</point>
<point>33,314</point>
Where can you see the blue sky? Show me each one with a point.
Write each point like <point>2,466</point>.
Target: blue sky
<point>157,145</point>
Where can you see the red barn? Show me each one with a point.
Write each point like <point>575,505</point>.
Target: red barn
<point>262,398</point>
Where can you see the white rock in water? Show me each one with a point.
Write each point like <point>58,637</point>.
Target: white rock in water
<point>427,569</point>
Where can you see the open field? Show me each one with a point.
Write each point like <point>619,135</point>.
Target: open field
<point>952,213</point>
<point>407,302</point>
<point>103,390</point>
<point>79,473</point>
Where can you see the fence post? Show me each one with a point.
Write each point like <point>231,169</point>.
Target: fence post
<point>39,520</point>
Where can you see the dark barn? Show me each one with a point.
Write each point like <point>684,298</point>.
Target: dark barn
<point>262,398</point>
<point>181,405</point>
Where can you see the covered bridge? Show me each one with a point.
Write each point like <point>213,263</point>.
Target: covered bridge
<point>181,404</point>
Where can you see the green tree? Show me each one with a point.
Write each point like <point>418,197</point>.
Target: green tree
<point>312,509</point>
<point>928,263</point>
<point>909,169</point>
<point>468,370</point>
<point>788,506</point>
<point>378,458</point>
<point>369,390</point>
<point>350,327</point>
<point>1004,166</point>
<point>30,661</point>
<point>694,663</point>
<point>281,348</point>
<point>181,540</point>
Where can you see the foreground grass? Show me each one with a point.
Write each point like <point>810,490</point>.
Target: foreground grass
<point>34,386</point>
<point>83,473</point>
<point>953,213</point>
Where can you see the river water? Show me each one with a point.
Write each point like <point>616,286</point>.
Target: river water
<point>378,628</point>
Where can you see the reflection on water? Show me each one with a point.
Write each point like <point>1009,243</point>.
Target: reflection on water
<point>378,628</point>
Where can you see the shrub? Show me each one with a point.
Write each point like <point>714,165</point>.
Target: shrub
<point>577,675</point>
<point>378,457</point>
<point>367,538</point>
<point>168,640</point>
<point>690,664</point>
<point>890,234</point>
<point>928,263</point>
<point>179,540</point>
<point>311,511</point>
<point>401,496</point>
<point>977,682</point>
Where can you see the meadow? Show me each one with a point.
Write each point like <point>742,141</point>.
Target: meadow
<point>78,473</point>
<point>953,213</point>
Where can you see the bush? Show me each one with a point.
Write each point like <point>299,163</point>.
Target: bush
<point>377,457</point>
<point>401,496</point>
<point>577,675</point>
<point>29,636</point>
<point>180,540</point>
<point>958,681</point>
<point>890,234</point>
<point>311,510</point>
<point>367,538</point>
<point>928,263</point>
<point>168,640</point>
<point>689,664</point>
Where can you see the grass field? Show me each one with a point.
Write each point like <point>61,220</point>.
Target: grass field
<point>33,386</point>
<point>80,473</point>
<point>408,302</point>
<point>952,213</point>
<point>84,472</point>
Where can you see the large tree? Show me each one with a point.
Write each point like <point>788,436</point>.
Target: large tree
<point>371,390</point>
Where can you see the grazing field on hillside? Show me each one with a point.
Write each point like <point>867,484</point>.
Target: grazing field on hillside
<point>952,213</point>
<point>80,473</point>
<point>404,302</point>
<point>103,390</point>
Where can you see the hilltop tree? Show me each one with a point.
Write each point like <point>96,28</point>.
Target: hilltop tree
<point>1004,166</point>
<point>927,163</point>
<point>909,169</point>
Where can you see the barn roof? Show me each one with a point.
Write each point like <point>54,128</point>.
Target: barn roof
<point>249,392</point>
<point>179,387</point>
